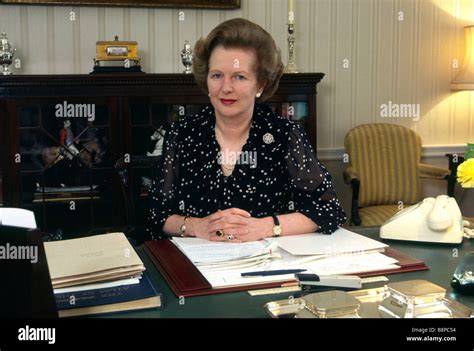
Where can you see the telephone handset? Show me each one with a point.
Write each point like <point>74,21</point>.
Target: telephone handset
<point>439,218</point>
<point>432,220</point>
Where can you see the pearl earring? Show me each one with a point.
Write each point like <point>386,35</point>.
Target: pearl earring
<point>258,95</point>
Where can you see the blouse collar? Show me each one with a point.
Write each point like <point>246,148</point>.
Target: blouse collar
<point>260,124</point>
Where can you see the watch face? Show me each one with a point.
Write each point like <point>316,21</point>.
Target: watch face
<point>277,230</point>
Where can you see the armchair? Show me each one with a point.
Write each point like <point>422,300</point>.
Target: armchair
<point>384,171</point>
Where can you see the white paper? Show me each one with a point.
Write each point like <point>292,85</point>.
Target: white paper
<point>111,284</point>
<point>204,251</point>
<point>339,242</point>
<point>341,253</point>
<point>347,264</point>
<point>17,217</point>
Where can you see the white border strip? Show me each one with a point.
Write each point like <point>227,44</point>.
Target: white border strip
<point>433,151</point>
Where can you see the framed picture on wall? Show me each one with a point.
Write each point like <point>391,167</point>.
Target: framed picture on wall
<point>203,4</point>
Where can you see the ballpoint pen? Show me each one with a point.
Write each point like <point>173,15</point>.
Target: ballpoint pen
<point>274,272</point>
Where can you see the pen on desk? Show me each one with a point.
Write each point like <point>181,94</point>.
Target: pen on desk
<point>274,272</point>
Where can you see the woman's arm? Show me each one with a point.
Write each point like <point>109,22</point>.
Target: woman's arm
<point>245,228</point>
<point>292,224</point>
<point>233,220</point>
<point>162,202</point>
<point>310,183</point>
<point>260,228</point>
<point>173,224</point>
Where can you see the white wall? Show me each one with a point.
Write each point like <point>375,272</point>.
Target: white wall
<point>403,61</point>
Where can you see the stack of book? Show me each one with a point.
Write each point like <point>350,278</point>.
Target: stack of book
<point>99,274</point>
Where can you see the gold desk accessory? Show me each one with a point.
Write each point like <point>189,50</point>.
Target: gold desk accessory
<point>123,52</point>
<point>428,303</point>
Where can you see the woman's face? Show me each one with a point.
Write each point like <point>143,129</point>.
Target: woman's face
<point>232,81</point>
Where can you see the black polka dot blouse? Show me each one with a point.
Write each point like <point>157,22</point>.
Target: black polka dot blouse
<point>276,173</point>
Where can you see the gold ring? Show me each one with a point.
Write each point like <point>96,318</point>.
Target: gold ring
<point>220,233</point>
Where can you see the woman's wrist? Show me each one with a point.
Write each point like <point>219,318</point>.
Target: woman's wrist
<point>268,226</point>
<point>191,226</point>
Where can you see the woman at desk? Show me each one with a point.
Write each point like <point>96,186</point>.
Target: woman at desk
<point>235,171</point>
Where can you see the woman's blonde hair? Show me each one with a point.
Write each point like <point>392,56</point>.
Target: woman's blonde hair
<point>240,33</point>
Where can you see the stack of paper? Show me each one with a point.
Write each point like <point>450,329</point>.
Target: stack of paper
<point>343,252</point>
<point>225,256</point>
<point>222,263</point>
<point>92,259</point>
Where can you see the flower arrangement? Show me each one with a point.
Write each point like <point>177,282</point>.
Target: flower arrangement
<point>465,173</point>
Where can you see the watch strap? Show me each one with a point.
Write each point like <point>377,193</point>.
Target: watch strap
<point>276,221</point>
<point>276,227</point>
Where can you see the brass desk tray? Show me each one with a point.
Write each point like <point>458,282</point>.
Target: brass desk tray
<point>369,299</point>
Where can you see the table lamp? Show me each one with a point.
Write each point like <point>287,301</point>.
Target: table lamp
<point>465,78</point>
<point>465,81</point>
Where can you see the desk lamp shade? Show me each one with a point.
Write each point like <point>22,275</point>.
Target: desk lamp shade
<point>465,78</point>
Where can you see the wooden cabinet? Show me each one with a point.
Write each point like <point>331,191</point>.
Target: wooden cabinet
<point>66,174</point>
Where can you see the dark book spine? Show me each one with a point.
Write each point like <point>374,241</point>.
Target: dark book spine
<point>106,296</point>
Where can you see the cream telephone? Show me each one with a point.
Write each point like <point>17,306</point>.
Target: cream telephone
<point>432,220</point>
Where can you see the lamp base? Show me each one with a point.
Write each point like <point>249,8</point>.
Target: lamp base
<point>466,202</point>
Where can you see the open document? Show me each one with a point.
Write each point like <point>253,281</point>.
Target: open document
<point>343,252</point>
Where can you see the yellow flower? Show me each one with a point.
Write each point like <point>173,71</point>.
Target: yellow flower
<point>466,173</point>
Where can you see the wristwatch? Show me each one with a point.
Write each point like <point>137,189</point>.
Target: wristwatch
<point>182,228</point>
<point>276,227</point>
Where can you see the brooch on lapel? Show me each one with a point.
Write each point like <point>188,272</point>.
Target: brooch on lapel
<point>268,138</point>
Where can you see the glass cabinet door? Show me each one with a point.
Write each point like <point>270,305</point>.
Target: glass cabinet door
<point>149,121</point>
<point>65,165</point>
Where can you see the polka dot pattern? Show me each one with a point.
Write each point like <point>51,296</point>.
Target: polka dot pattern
<point>286,178</point>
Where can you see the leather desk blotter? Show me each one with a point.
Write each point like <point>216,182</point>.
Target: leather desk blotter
<point>185,279</point>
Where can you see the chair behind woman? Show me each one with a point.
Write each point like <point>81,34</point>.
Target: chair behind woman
<point>384,171</point>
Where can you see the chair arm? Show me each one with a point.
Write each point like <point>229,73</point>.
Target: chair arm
<point>433,172</point>
<point>355,216</point>
<point>349,175</point>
